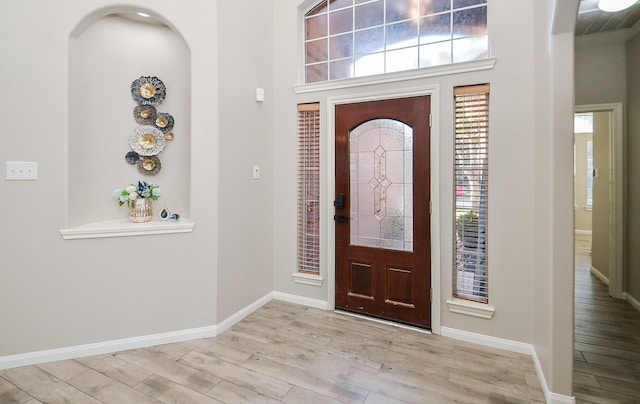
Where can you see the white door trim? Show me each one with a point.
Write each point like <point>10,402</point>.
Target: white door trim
<point>329,192</point>
<point>616,194</point>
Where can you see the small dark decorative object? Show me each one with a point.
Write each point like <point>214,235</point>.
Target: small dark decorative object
<point>149,165</point>
<point>164,122</point>
<point>132,157</point>
<point>148,90</point>
<point>145,114</point>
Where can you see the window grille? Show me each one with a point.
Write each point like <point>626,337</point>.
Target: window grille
<point>471,191</point>
<point>356,38</point>
<point>309,188</point>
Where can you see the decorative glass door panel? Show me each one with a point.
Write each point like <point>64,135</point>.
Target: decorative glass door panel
<point>381,197</point>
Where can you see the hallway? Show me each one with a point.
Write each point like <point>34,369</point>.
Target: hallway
<point>607,339</point>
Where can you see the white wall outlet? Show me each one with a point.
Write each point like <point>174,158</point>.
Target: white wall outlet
<point>22,171</point>
<point>256,172</point>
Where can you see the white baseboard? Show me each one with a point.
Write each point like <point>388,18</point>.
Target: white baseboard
<point>487,340</point>
<point>301,300</point>
<point>549,396</point>
<point>632,301</point>
<point>600,275</point>
<point>100,348</point>
<point>514,346</point>
<point>227,323</point>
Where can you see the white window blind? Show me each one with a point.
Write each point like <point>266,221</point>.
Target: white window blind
<point>309,188</point>
<point>471,196</point>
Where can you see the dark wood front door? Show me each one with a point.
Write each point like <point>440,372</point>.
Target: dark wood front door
<point>382,213</point>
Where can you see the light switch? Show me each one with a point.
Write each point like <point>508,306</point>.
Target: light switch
<point>256,172</point>
<point>259,94</point>
<point>22,171</point>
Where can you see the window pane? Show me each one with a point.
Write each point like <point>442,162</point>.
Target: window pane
<point>583,123</point>
<point>590,173</point>
<point>316,27</point>
<point>369,64</point>
<point>402,59</point>
<point>470,48</point>
<point>379,26</point>
<point>369,41</point>
<point>434,6</point>
<point>341,46</point>
<point>398,10</point>
<point>317,72</point>
<point>336,4</point>
<point>470,22</point>
<point>471,192</point>
<point>467,3</point>
<point>402,35</point>
<point>435,54</point>
<point>369,15</point>
<point>320,8</point>
<point>341,21</point>
<point>436,28</point>
<point>341,69</point>
<point>317,51</point>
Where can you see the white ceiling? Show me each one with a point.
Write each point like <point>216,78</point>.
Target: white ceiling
<point>592,20</point>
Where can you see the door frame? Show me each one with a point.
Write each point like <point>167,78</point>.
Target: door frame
<point>329,224</point>
<point>617,279</point>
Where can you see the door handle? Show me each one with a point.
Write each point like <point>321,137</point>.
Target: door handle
<point>341,219</point>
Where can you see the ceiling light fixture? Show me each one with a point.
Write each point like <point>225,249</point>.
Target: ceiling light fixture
<point>612,6</point>
<point>141,14</point>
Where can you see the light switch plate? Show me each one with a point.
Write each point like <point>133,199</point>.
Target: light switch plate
<point>256,172</point>
<point>22,171</point>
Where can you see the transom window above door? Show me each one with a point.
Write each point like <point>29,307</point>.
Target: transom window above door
<point>356,38</point>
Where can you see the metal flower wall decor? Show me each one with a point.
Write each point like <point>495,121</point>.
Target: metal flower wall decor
<point>155,129</point>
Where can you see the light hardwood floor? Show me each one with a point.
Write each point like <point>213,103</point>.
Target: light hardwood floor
<point>607,339</point>
<point>291,354</point>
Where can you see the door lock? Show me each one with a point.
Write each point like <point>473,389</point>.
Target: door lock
<point>341,219</point>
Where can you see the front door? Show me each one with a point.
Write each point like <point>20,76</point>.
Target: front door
<point>383,253</point>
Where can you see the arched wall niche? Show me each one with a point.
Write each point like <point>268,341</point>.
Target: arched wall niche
<point>108,50</point>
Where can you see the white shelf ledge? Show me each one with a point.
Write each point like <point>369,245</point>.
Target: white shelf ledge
<point>307,279</point>
<point>469,308</point>
<point>126,228</point>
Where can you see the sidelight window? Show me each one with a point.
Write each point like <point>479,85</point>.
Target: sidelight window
<point>356,38</point>
<point>471,170</point>
<point>309,188</point>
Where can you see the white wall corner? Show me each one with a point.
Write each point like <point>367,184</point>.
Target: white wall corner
<point>307,279</point>
<point>469,308</point>
<point>514,346</point>
<point>304,301</point>
<point>242,313</point>
<point>549,396</point>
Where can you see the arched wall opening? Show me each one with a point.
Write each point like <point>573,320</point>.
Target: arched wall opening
<point>108,50</point>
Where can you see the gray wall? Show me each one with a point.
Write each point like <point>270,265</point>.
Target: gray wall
<point>633,167</point>
<point>606,66</point>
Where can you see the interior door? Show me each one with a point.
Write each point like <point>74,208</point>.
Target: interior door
<point>383,255</point>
